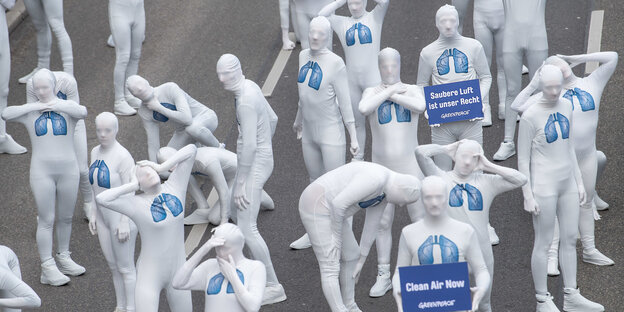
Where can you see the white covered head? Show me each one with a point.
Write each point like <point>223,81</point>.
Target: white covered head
<point>447,21</point>
<point>233,237</point>
<point>44,83</point>
<point>357,8</point>
<point>106,128</point>
<point>434,195</point>
<point>389,66</point>
<point>402,189</point>
<point>147,177</point>
<point>565,68</point>
<point>319,34</point>
<point>467,157</point>
<point>551,82</point>
<point>140,87</point>
<point>230,72</point>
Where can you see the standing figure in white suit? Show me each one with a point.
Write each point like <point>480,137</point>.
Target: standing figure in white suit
<point>14,293</point>
<point>111,166</point>
<point>360,36</point>
<point>254,149</point>
<point>7,144</point>
<point>395,136</point>
<point>453,58</point>
<point>245,278</point>
<point>554,188</point>
<point>472,191</point>
<point>46,15</point>
<point>457,242</point>
<point>324,108</point>
<point>54,173</point>
<point>302,12</point>
<point>158,213</point>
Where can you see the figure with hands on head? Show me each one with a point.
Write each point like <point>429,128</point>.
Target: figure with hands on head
<point>457,240</point>
<point>393,108</point>
<point>326,206</point>
<point>54,174</point>
<point>112,166</point>
<point>158,213</point>
<point>245,278</point>
<point>14,293</point>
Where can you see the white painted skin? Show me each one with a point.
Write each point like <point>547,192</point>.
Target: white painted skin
<point>326,207</point>
<point>192,120</point>
<point>54,174</point>
<point>228,242</point>
<point>14,293</point>
<point>478,68</point>
<point>47,15</point>
<point>470,167</point>
<point>437,222</point>
<point>302,12</point>
<point>162,242</point>
<point>256,126</point>
<point>360,58</point>
<point>116,233</point>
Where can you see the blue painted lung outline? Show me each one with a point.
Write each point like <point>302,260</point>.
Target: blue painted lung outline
<point>585,99</point>
<point>449,250</point>
<point>170,201</point>
<point>59,124</point>
<point>459,58</point>
<point>103,176</point>
<point>160,117</point>
<point>550,129</point>
<point>216,282</point>
<point>315,78</point>
<point>61,95</point>
<point>372,202</point>
<point>475,199</point>
<point>384,113</point>
<point>364,34</point>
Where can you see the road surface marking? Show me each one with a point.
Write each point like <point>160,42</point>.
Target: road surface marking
<point>198,230</point>
<point>276,70</point>
<point>594,38</point>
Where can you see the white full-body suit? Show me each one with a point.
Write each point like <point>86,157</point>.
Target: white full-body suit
<point>111,166</point>
<point>472,191</point>
<point>158,213</point>
<point>302,12</point>
<point>47,15</point>
<point>546,157</point>
<point>360,36</point>
<point>14,293</point>
<point>230,281</point>
<point>393,109</point>
<point>325,207</point>
<point>468,62</point>
<point>7,144</point>
<point>66,88</point>
<point>525,37</point>
<point>457,242</point>
<point>254,149</point>
<point>54,174</point>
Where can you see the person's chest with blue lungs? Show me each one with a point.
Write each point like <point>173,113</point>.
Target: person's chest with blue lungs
<point>218,284</point>
<point>452,60</point>
<point>582,97</point>
<point>439,248</point>
<point>466,195</point>
<point>361,31</point>
<point>388,108</point>
<point>165,207</point>
<point>553,125</point>
<point>165,101</point>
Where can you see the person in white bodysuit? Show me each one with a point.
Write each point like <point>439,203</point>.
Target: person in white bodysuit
<point>217,166</point>
<point>324,108</point>
<point>54,173</point>
<point>66,88</point>
<point>7,144</point>
<point>554,189</point>
<point>525,37</point>
<point>302,12</point>
<point>127,24</point>
<point>14,293</point>
<point>193,121</point>
<point>158,213</point>
<point>326,206</point>
<point>245,278</point>
<point>480,189</point>
<point>462,7</point>
<point>111,166</point>
<point>469,62</point>
<point>460,238</point>
<point>395,136</point>
<point>360,36</point>
<point>256,126</point>
<point>47,15</point>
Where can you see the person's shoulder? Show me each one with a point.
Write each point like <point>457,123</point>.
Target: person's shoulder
<point>472,42</point>
<point>410,229</point>
<point>428,48</point>
<point>464,229</point>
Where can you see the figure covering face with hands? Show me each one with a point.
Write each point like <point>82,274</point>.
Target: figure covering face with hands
<point>7,144</point>
<point>54,173</point>
<point>47,15</point>
<point>256,126</point>
<point>471,191</point>
<point>546,157</point>
<point>393,108</point>
<point>302,11</point>
<point>457,240</point>
<point>158,213</point>
<point>168,103</point>
<point>453,58</point>
<point>245,278</point>
<point>66,88</point>
<point>111,166</point>
<point>325,207</point>
<point>360,36</point>
<point>14,293</point>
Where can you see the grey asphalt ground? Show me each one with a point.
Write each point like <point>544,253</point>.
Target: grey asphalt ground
<point>183,42</point>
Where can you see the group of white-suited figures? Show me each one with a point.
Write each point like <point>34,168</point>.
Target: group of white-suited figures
<point>447,187</point>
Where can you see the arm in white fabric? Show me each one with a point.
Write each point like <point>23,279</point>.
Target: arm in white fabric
<point>71,108</point>
<point>341,86</point>
<point>475,260</point>
<point>521,102</point>
<point>371,100</point>
<point>424,71</point>
<point>215,173</point>
<point>330,8</point>
<point>250,299</point>
<point>424,154</point>
<point>183,161</point>
<point>404,258</point>
<point>24,296</point>
<point>15,113</point>
<point>483,71</point>
<point>248,119</point>
<point>526,133</point>
<point>115,200</point>
<point>182,114</point>
<point>192,275</point>
<point>413,99</point>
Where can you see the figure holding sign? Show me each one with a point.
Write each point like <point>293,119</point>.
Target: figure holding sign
<point>455,240</point>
